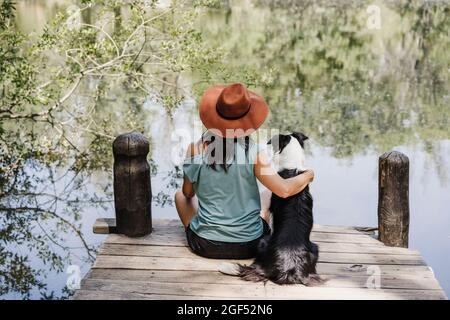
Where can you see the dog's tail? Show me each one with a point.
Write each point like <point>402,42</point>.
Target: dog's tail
<point>250,273</point>
<point>311,280</point>
<point>231,269</point>
<point>314,279</point>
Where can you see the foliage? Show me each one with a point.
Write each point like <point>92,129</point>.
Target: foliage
<point>63,97</point>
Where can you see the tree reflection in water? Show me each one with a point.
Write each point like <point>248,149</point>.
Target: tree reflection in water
<point>351,88</point>
<point>39,212</point>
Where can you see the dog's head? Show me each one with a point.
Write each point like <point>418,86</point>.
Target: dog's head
<point>288,150</point>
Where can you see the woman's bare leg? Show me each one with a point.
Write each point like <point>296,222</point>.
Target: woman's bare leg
<point>265,204</point>
<point>186,207</point>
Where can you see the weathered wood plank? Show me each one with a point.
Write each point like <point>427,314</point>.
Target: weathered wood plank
<point>362,248</point>
<point>320,234</point>
<point>174,237</point>
<point>184,252</point>
<point>160,240</point>
<point>117,295</point>
<point>104,226</point>
<point>159,223</point>
<point>335,229</point>
<point>258,291</point>
<point>405,281</point>
<point>154,239</point>
<point>368,258</point>
<point>164,263</point>
<point>159,263</point>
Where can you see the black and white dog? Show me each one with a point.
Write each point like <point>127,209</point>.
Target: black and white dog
<point>287,256</point>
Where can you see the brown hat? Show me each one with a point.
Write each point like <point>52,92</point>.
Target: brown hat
<point>232,110</point>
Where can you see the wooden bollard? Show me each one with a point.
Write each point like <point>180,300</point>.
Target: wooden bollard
<point>132,186</point>
<point>393,199</point>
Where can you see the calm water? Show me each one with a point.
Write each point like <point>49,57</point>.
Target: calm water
<point>355,89</point>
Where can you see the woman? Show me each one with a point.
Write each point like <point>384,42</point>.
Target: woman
<point>219,204</point>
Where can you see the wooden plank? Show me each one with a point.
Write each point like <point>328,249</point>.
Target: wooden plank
<point>361,248</point>
<point>258,291</point>
<point>166,222</point>
<point>161,223</point>
<point>164,225</point>
<point>317,228</point>
<point>104,226</point>
<point>405,281</point>
<point>117,295</point>
<point>160,240</point>
<point>316,235</point>
<point>367,258</point>
<point>178,238</point>
<point>153,239</point>
<point>112,248</point>
<point>159,263</point>
<point>184,252</point>
<point>340,229</point>
<point>164,263</point>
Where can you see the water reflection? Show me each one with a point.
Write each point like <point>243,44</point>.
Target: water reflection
<point>348,86</point>
<point>42,215</point>
<point>355,91</point>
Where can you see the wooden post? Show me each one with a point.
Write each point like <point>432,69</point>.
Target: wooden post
<point>393,199</point>
<point>132,186</point>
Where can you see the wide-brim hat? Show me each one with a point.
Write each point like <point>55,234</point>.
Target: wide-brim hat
<point>232,111</point>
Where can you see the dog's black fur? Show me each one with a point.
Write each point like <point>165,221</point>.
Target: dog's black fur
<point>287,256</point>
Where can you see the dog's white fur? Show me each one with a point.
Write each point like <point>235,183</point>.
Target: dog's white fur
<point>231,269</point>
<point>292,157</point>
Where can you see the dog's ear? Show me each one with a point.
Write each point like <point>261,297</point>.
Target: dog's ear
<point>300,137</point>
<point>279,142</point>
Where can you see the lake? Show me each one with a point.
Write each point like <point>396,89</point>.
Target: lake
<point>357,83</point>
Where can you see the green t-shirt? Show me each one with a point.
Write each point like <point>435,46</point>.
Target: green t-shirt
<point>229,203</point>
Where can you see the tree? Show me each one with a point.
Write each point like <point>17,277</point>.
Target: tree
<point>56,122</point>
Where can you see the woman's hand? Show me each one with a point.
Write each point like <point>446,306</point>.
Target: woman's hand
<point>283,188</point>
<point>310,174</point>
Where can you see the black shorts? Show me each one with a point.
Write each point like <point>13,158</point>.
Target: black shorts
<point>224,250</point>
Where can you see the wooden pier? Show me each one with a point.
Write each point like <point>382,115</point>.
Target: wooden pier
<point>161,266</point>
<point>145,259</point>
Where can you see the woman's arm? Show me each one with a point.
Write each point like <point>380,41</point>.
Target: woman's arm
<point>271,179</point>
<point>188,188</point>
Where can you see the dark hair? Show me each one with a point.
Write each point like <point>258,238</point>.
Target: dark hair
<point>223,149</point>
